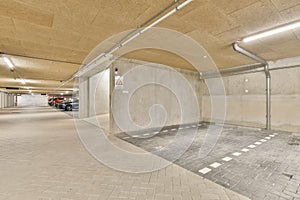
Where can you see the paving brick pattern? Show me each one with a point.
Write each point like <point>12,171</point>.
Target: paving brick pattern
<point>41,158</point>
<point>269,168</point>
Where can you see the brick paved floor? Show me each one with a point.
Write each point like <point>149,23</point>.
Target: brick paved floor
<point>41,158</point>
<point>254,163</point>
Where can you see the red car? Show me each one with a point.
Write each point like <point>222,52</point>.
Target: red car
<point>56,100</point>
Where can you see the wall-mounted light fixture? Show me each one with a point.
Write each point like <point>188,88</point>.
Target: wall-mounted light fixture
<point>273,31</point>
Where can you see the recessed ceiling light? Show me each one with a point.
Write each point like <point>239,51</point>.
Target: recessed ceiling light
<point>30,91</point>
<point>273,31</point>
<point>61,93</point>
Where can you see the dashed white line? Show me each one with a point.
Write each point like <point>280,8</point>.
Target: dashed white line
<point>263,140</point>
<point>156,132</point>
<point>268,138</point>
<point>146,134</point>
<point>125,138</point>
<point>187,127</point>
<point>204,170</point>
<point>164,131</point>
<point>194,126</point>
<point>227,159</point>
<point>237,154</point>
<point>257,143</point>
<point>135,136</point>
<point>272,135</point>
<point>252,146</point>
<point>215,165</point>
<point>173,129</point>
<point>245,150</point>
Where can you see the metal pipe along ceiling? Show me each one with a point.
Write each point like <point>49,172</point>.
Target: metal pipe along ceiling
<point>241,50</point>
<point>98,59</point>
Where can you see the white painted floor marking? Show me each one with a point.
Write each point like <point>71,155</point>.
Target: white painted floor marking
<point>245,150</point>
<point>272,135</point>
<point>135,136</point>
<point>204,170</point>
<point>263,140</point>
<point>257,143</point>
<point>237,154</point>
<point>268,138</point>
<point>146,134</point>
<point>164,131</point>
<point>215,165</point>
<point>173,129</point>
<point>251,146</point>
<point>227,159</point>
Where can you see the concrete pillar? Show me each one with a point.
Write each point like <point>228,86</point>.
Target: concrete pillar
<point>84,97</point>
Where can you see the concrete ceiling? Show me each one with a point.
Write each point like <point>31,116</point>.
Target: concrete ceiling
<point>68,30</point>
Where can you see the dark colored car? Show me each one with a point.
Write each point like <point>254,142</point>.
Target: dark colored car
<point>69,106</point>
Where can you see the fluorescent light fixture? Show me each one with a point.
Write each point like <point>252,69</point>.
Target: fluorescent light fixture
<point>61,93</point>
<point>23,81</point>
<point>67,92</point>
<point>9,63</point>
<point>273,31</point>
<point>30,91</point>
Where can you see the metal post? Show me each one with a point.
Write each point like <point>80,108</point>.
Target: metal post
<point>239,49</point>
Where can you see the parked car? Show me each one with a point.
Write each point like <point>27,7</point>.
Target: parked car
<point>56,100</point>
<point>69,106</point>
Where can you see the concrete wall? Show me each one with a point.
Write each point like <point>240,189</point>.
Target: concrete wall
<point>99,93</point>
<point>145,97</point>
<point>6,100</point>
<point>32,100</point>
<point>246,100</point>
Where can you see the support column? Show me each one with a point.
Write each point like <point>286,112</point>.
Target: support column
<point>83,97</point>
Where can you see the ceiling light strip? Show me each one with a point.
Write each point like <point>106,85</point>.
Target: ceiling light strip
<point>272,31</point>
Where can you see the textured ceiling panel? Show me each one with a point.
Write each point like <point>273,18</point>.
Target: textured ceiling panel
<point>69,30</point>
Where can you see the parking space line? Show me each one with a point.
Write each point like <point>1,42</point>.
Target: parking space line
<point>237,154</point>
<point>215,165</point>
<point>204,170</point>
<point>257,143</point>
<point>227,159</point>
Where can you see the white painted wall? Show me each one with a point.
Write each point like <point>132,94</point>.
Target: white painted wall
<point>32,100</point>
